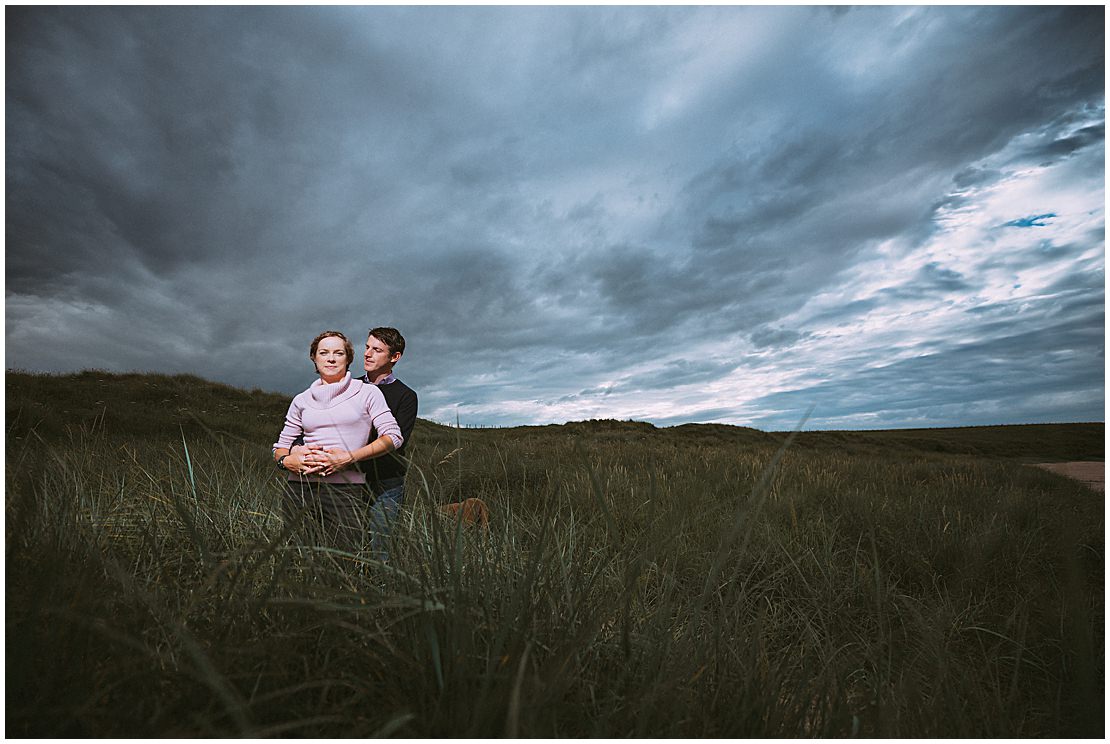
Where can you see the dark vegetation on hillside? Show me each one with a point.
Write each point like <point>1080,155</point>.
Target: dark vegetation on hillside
<point>1028,442</point>
<point>142,405</point>
<point>694,581</point>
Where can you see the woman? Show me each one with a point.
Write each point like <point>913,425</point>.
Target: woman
<point>337,413</point>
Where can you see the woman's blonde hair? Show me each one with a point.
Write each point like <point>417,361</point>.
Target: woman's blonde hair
<point>347,348</point>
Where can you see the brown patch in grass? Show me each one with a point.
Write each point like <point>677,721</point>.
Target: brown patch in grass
<point>1091,473</point>
<point>471,512</point>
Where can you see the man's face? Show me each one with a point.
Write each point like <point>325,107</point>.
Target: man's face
<point>377,358</point>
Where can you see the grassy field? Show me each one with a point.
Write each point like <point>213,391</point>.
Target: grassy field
<point>695,581</point>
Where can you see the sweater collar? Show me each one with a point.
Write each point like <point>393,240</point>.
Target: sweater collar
<point>328,395</point>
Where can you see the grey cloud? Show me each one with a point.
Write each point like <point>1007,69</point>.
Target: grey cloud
<point>1080,287</point>
<point>1063,147</point>
<point>680,372</point>
<point>910,397</point>
<point>1068,356</point>
<point>1036,255</point>
<point>931,125</point>
<point>642,296</point>
<point>493,163</point>
<point>544,197</point>
<point>975,177</point>
<point>1070,298</point>
<point>588,393</point>
<point>934,276</point>
<point>776,337</point>
<point>846,311</point>
<point>696,416</point>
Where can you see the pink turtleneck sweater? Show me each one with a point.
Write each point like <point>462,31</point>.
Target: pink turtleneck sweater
<point>338,415</point>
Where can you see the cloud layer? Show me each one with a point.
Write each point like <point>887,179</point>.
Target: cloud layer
<point>894,215</point>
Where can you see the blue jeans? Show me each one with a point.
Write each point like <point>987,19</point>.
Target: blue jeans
<point>382,515</point>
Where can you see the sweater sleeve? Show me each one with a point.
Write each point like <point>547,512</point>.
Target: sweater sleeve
<point>292,429</point>
<point>382,418</point>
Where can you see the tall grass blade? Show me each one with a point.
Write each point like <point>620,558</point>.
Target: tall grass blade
<point>759,494</point>
<point>392,726</point>
<point>512,720</point>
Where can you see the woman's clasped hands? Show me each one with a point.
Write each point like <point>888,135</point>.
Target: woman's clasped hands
<point>315,460</point>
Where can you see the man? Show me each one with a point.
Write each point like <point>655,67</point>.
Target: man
<point>385,475</point>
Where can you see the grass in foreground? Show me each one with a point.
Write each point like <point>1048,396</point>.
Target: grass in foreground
<point>633,583</point>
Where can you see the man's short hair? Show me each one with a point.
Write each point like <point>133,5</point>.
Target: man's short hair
<point>391,337</point>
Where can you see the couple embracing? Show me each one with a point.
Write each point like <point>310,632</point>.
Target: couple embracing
<point>343,443</point>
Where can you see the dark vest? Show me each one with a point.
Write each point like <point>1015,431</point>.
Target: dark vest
<point>402,403</point>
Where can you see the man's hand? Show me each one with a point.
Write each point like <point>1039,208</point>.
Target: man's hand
<point>336,460</point>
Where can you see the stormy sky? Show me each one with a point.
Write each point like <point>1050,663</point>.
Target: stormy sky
<point>894,215</point>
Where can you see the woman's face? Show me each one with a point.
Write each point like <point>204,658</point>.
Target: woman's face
<point>331,359</point>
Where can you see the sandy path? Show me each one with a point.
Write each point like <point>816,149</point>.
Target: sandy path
<point>1091,474</point>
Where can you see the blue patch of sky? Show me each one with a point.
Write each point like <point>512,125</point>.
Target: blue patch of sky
<point>1034,221</point>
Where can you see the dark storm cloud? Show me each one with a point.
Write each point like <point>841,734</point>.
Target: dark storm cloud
<point>684,371</point>
<point>932,279</point>
<point>1086,137</point>
<point>766,337</point>
<point>818,180</point>
<point>568,211</point>
<point>975,177</point>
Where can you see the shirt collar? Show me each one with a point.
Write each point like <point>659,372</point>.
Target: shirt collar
<point>384,381</point>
